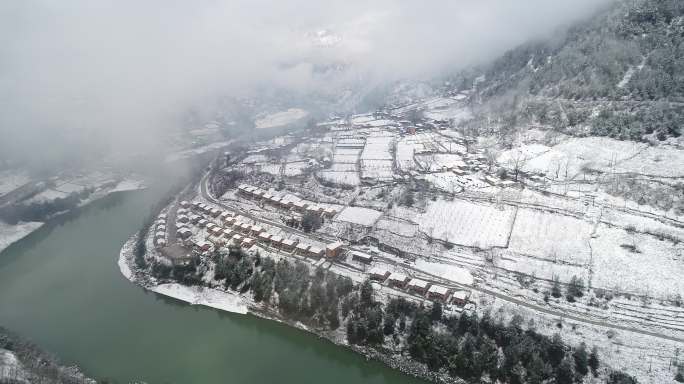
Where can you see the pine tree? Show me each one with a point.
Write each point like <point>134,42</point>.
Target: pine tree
<point>580,356</point>
<point>594,361</point>
<point>564,372</point>
<point>436,312</point>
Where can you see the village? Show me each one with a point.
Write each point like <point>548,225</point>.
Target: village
<point>431,214</point>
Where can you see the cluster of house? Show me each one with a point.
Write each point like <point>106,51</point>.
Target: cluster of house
<point>236,230</point>
<point>285,202</point>
<point>160,231</point>
<point>420,287</point>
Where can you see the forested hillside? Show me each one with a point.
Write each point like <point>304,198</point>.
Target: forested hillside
<point>620,74</point>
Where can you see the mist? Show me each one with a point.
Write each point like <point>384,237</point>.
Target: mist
<point>82,79</point>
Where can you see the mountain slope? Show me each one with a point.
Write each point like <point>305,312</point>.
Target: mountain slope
<point>620,74</point>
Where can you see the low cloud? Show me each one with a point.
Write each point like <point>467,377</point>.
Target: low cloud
<point>92,77</point>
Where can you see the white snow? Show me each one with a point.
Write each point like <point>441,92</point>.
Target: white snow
<point>465,223</point>
<point>10,234</point>
<point>129,185</point>
<point>358,215</point>
<point>11,368</point>
<point>10,180</point>
<point>551,236</point>
<point>281,118</point>
<point>656,268</point>
<point>446,271</point>
<point>208,297</point>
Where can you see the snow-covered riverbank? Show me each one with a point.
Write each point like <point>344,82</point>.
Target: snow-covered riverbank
<point>10,234</point>
<point>208,297</point>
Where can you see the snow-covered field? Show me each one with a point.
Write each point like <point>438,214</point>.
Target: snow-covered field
<point>439,161</point>
<point>446,271</point>
<point>655,267</point>
<point>12,233</point>
<point>377,169</point>
<point>281,118</point>
<point>600,153</point>
<point>551,236</point>
<point>466,223</point>
<point>11,180</point>
<point>341,178</point>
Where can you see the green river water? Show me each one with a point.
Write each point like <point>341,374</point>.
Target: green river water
<point>61,288</point>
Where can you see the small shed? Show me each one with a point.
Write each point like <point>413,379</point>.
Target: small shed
<point>203,245</point>
<point>245,228</point>
<point>437,292</point>
<point>379,274</point>
<point>460,297</point>
<point>329,212</point>
<point>289,244</point>
<point>247,242</point>
<point>362,257</point>
<point>237,239</point>
<point>276,240</point>
<point>183,233</point>
<point>315,251</point>
<point>418,286</point>
<point>398,280</point>
<point>333,249</point>
<point>264,237</point>
<point>302,248</point>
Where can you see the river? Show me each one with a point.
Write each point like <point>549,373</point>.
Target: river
<point>61,288</point>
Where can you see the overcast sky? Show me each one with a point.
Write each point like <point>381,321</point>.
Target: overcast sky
<point>87,73</point>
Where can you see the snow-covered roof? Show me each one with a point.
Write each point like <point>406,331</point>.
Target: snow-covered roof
<point>438,289</point>
<point>378,271</point>
<point>362,255</point>
<point>358,215</point>
<point>334,246</point>
<point>418,283</point>
<point>396,276</point>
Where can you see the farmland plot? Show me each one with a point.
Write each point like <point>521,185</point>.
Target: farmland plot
<point>651,267</point>
<point>541,268</point>
<point>551,236</point>
<point>296,168</point>
<point>439,161</point>
<point>377,169</point>
<point>376,159</point>
<point>465,223</point>
<point>342,178</point>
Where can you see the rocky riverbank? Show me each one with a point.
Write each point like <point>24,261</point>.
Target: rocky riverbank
<point>24,362</point>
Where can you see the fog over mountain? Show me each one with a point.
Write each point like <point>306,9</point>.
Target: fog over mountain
<point>91,77</point>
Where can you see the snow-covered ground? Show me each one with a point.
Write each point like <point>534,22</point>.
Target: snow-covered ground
<point>11,369</point>
<point>223,300</point>
<point>466,223</point>
<point>654,267</point>
<point>550,236</point>
<point>10,234</point>
<point>281,118</point>
<point>11,180</point>
<point>358,215</point>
